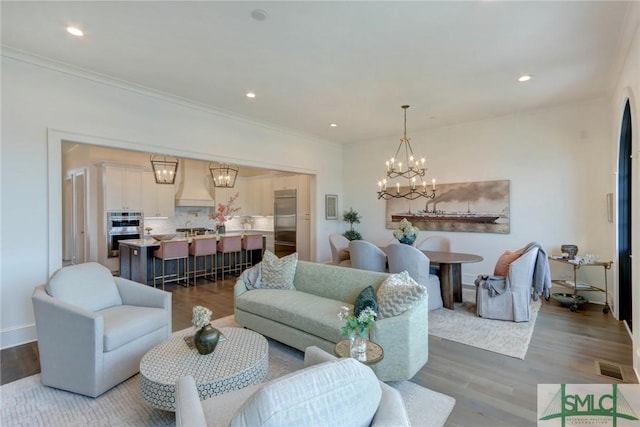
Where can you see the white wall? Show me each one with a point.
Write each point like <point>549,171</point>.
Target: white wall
<point>37,98</point>
<point>556,160</point>
<point>628,88</point>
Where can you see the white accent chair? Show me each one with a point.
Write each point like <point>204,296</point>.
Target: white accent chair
<point>513,299</point>
<point>327,392</point>
<point>367,256</point>
<point>407,258</point>
<point>435,243</point>
<point>93,328</point>
<point>339,255</point>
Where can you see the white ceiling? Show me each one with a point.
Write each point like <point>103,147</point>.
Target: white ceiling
<point>353,63</point>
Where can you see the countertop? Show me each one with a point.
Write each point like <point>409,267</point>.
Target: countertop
<point>150,241</point>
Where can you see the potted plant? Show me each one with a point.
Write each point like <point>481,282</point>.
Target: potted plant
<point>351,217</point>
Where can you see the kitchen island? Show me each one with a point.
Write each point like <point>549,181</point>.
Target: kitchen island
<point>136,256</point>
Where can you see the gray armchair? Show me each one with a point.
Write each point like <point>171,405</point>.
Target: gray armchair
<point>93,329</point>
<point>403,257</point>
<point>367,256</point>
<point>335,391</point>
<point>508,298</point>
<point>339,255</point>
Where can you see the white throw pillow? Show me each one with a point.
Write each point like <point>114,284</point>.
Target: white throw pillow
<point>278,273</point>
<point>397,294</point>
<point>342,393</point>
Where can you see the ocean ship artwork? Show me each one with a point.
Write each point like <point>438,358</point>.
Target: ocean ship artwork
<point>481,206</point>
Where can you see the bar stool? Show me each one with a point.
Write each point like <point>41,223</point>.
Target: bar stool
<point>230,245</point>
<point>203,247</point>
<point>250,243</point>
<point>172,251</point>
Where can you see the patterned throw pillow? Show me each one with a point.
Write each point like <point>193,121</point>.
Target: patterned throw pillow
<point>278,273</point>
<point>397,294</point>
<point>366,298</point>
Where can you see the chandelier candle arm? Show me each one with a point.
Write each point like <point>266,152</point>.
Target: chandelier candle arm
<point>415,168</point>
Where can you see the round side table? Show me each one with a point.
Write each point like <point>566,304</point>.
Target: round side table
<point>375,352</point>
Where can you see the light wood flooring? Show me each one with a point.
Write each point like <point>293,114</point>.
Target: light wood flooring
<point>490,389</point>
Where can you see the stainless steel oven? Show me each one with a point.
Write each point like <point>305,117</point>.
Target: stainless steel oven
<point>122,226</point>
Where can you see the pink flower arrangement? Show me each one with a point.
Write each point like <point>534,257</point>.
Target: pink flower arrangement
<point>222,213</point>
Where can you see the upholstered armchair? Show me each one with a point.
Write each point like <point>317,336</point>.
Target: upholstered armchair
<point>327,392</point>
<point>339,255</point>
<point>403,257</point>
<point>367,256</point>
<point>93,329</point>
<point>509,297</point>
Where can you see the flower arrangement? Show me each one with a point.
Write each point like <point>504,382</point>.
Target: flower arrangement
<point>357,325</point>
<point>222,213</point>
<point>201,316</point>
<point>406,233</point>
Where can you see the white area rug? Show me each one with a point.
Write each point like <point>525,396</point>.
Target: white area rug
<point>27,402</point>
<point>463,326</point>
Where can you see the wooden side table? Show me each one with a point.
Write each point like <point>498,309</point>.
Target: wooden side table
<point>375,352</point>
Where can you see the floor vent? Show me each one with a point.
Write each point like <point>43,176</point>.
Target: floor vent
<point>608,369</point>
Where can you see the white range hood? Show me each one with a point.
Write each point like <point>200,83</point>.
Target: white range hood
<point>194,184</point>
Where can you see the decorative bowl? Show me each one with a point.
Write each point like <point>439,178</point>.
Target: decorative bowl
<point>572,250</point>
<point>163,237</point>
<point>567,300</point>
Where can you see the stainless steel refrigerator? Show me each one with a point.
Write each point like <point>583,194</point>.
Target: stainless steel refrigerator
<point>284,222</point>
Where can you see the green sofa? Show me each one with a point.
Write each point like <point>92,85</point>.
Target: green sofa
<point>308,316</point>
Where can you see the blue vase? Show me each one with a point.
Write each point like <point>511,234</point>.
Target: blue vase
<point>408,240</point>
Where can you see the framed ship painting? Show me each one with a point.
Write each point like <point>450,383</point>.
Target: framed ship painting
<point>480,206</point>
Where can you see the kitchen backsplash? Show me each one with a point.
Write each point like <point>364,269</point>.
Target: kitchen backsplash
<point>191,217</point>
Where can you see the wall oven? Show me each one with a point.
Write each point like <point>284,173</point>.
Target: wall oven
<point>122,226</point>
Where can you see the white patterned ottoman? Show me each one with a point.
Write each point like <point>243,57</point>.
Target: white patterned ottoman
<point>241,360</point>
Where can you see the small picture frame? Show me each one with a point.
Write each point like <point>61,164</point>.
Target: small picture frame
<point>331,206</point>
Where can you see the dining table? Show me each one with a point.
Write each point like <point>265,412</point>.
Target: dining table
<point>450,273</point>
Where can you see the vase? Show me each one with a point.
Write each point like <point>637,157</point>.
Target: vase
<point>221,229</point>
<point>358,347</point>
<point>407,240</point>
<point>206,339</point>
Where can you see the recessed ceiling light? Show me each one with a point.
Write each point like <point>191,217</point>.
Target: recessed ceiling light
<point>251,95</point>
<point>259,15</point>
<point>524,78</point>
<point>333,125</point>
<point>75,31</point>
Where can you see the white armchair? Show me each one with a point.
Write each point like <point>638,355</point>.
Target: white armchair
<point>367,256</point>
<point>93,329</point>
<point>339,254</point>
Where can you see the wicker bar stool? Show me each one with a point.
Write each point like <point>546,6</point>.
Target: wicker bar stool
<point>230,246</point>
<point>205,248</point>
<point>172,251</point>
<point>250,243</point>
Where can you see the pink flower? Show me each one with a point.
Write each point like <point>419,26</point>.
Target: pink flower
<point>224,211</point>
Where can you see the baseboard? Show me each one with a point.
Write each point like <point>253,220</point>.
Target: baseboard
<point>17,336</point>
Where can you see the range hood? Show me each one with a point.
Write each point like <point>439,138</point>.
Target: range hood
<point>194,184</point>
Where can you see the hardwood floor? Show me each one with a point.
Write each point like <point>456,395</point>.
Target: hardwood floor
<point>490,389</point>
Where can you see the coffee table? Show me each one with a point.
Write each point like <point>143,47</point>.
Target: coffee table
<point>240,361</point>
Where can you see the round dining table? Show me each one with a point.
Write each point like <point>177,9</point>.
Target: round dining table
<point>450,273</point>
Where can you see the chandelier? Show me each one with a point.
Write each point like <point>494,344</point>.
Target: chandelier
<point>412,169</point>
<point>223,175</point>
<point>164,169</point>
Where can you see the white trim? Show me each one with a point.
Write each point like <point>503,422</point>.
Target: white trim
<point>17,336</point>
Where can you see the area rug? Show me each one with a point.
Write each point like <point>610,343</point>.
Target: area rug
<point>464,326</point>
<point>27,402</point>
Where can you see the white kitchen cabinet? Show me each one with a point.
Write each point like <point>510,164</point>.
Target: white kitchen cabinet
<point>289,182</point>
<point>157,199</point>
<point>123,188</point>
<point>266,197</point>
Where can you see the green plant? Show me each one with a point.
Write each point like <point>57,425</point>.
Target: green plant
<point>352,217</point>
<point>357,325</point>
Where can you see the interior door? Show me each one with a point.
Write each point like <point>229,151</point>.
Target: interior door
<point>79,218</point>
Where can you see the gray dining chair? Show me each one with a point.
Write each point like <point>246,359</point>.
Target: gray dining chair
<point>435,243</point>
<point>339,254</point>
<point>367,256</point>
<point>407,258</point>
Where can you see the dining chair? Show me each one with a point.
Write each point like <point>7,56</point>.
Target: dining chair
<point>407,258</point>
<point>367,256</point>
<point>339,254</point>
<point>435,243</point>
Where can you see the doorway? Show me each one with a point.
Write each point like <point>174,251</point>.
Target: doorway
<point>75,218</point>
<point>624,219</point>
